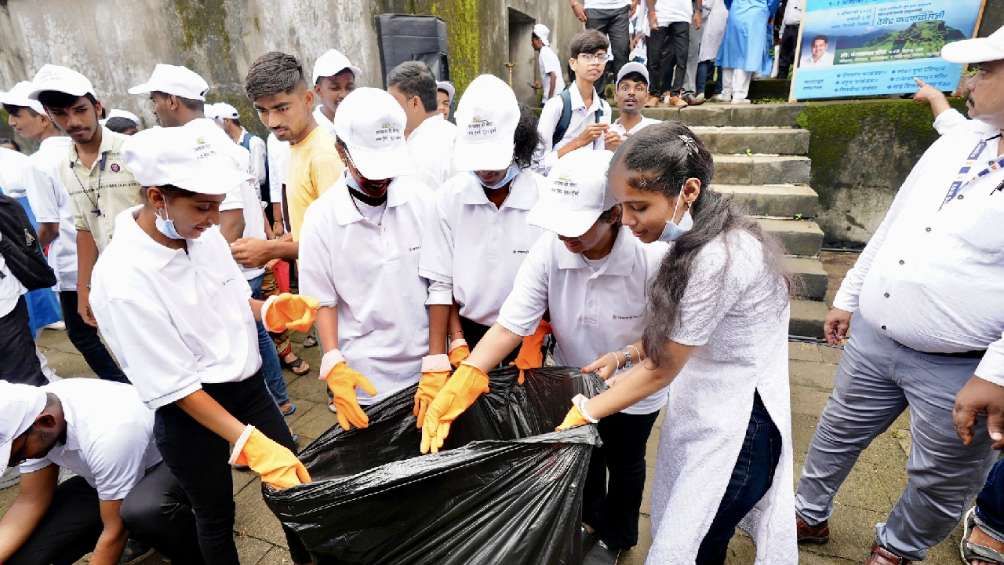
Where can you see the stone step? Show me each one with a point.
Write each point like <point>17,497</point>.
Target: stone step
<point>810,277</point>
<point>807,318</point>
<point>747,115</point>
<point>761,169</point>
<point>778,200</point>
<point>802,238</point>
<point>772,140</point>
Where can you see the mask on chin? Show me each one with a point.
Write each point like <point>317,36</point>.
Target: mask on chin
<point>674,231</point>
<point>510,173</point>
<point>165,225</point>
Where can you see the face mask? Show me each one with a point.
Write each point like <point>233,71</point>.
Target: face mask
<point>510,174</point>
<point>674,231</point>
<point>165,225</point>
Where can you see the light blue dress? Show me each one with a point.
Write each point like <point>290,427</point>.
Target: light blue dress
<point>747,43</point>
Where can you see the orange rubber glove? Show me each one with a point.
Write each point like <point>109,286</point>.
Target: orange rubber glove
<point>460,392</point>
<point>573,419</point>
<point>531,354</point>
<point>289,311</point>
<point>459,351</point>
<point>435,371</point>
<point>342,382</point>
<point>276,465</point>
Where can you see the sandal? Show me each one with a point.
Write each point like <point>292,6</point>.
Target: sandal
<point>289,410</point>
<point>971,551</point>
<point>298,366</point>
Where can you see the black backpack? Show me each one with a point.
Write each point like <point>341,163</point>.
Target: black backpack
<point>566,115</point>
<point>20,247</point>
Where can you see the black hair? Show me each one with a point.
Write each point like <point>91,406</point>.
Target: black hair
<point>588,41</point>
<point>636,77</point>
<point>664,156</point>
<point>10,141</point>
<point>272,73</point>
<point>526,138</point>
<point>12,109</point>
<point>120,124</point>
<point>190,103</point>
<point>414,78</point>
<point>56,99</point>
<point>821,37</point>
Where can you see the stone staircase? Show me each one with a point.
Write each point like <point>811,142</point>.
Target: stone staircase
<point>760,159</point>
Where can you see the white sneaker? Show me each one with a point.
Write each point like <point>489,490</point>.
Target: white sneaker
<point>11,477</point>
<point>721,98</point>
<point>56,326</point>
<point>740,101</point>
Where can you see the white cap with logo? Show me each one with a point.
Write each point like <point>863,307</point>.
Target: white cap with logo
<point>331,63</point>
<point>60,79</point>
<point>19,406</point>
<point>487,116</point>
<point>176,80</point>
<point>978,50</point>
<point>222,110</point>
<point>371,124</point>
<point>576,193</point>
<point>181,157</point>
<point>18,96</point>
<point>632,67</point>
<point>541,31</point>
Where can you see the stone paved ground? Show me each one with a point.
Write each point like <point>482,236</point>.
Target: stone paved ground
<point>865,499</point>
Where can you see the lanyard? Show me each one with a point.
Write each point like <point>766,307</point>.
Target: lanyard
<point>964,179</point>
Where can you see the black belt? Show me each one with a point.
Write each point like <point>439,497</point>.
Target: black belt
<point>975,354</point>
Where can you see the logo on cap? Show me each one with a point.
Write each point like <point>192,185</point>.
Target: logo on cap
<point>565,186</point>
<point>388,132</point>
<point>480,127</point>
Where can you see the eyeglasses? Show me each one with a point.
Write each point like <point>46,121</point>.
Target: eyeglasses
<point>591,58</point>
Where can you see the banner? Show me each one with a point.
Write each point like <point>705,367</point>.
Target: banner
<point>852,48</point>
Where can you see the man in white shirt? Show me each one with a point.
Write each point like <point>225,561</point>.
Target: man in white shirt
<point>430,138</point>
<point>927,297</point>
<point>819,56</point>
<point>613,19</point>
<point>333,79</point>
<point>444,97</point>
<point>230,120</point>
<point>789,37</point>
<point>669,46</point>
<point>551,80</point>
<point>631,93</point>
<point>120,484</point>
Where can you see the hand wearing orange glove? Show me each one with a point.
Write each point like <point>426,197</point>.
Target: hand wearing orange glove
<point>288,311</point>
<point>458,351</point>
<point>435,371</point>
<point>342,382</point>
<point>531,353</point>
<point>276,465</point>
<point>460,392</point>
<point>578,415</point>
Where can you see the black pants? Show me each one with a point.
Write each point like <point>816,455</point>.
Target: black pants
<point>611,504</point>
<point>68,530</point>
<point>85,339</point>
<point>789,40</point>
<point>668,47</point>
<point>616,24</point>
<point>198,459</point>
<point>473,332</point>
<point>158,513</point>
<point>17,348</point>
<point>751,479</point>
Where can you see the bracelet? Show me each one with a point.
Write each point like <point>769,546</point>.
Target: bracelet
<point>637,350</point>
<point>627,359</point>
<point>579,401</point>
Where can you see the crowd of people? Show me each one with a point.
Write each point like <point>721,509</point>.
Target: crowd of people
<point>423,253</point>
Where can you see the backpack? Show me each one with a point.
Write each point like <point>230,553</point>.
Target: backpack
<point>20,248</point>
<point>566,115</point>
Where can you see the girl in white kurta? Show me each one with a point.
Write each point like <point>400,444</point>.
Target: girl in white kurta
<point>716,329</point>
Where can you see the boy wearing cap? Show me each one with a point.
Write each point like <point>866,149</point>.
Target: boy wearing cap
<point>178,313</point>
<point>53,210</point>
<point>230,120</point>
<point>444,97</point>
<point>120,482</point>
<point>359,256</point>
<point>334,77</point>
<point>98,184</point>
<point>631,93</point>
<point>551,79</point>
<point>429,136</point>
<point>121,121</point>
<point>590,114</point>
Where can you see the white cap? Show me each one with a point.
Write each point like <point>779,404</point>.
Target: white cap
<point>19,406</point>
<point>447,87</point>
<point>371,124</point>
<point>487,116</point>
<point>60,79</point>
<point>576,193</point>
<point>176,80</point>
<point>222,110</point>
<point>18,96</point>
<point>541,31</point>
<point>116,113</point>
<point>331,63</point>
<point>209,111</point>
<point>632,67</point>
<point>181,157</point>
<point>979,50</point>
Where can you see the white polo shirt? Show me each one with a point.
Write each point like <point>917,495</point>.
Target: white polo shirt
<point>474,250</point>
<point>618,128</point>
<point>605,4</point>
<point>594,309</point>
<point>369,273</point>
<point>581,118</point>
<point>109,436</point>
<point>323,120</point>
<point>174,320</point>
<point>549,63</point>
<point>431,148</point>
<point>50,203</point>
<point>673,11</point>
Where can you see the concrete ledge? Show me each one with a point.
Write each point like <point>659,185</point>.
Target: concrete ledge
<point>761,169</point>
<point>716,114</point>
<point>799,237</point>
<point>771,140</point>
<point>778,200</point>
<point>807,318</point>
<point>810,277</point>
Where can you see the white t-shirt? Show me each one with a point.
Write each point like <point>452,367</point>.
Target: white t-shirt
<point>673,11</point>
<point>278,161</point>
<point>605,4</point>
<point>595,306</point>
<point>431,148</point>
<point>618,128</point>
<point>50,202</point>
<point>549,63</point>
<point>16,174</point>
<point>793,13</point>
<point>323,120</point>
<point>109,436</point>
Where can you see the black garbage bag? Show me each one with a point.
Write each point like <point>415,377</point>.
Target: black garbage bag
<point>507,488</point>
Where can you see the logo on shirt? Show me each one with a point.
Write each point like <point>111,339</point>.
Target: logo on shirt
<point>480,127</point>
<point>520,251</point>
<point>116,168</point>
<point>616,317</point>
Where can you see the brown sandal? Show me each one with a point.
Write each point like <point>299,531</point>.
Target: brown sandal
<point>298,366</point>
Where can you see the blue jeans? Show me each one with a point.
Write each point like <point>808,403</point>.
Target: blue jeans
<point>990,502</point>
<point>750,481</point>
<point>705,70</point>
<point>270,367</point>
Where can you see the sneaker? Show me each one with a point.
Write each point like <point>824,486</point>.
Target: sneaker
<point>134,552</point>
<point>721,98</point>
<point>56,326</point>
<point>310,341</point>
<point>692,100</point>
<point>741,101</point>
<point>601,554</point>
<point>10,477</point>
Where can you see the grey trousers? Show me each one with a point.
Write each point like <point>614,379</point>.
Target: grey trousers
<point>876,380</point>
<point>690,78</point>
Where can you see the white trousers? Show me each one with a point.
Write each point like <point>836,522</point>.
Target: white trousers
<point>736,83</point>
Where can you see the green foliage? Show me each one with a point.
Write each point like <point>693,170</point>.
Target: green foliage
<point>464,36</point>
